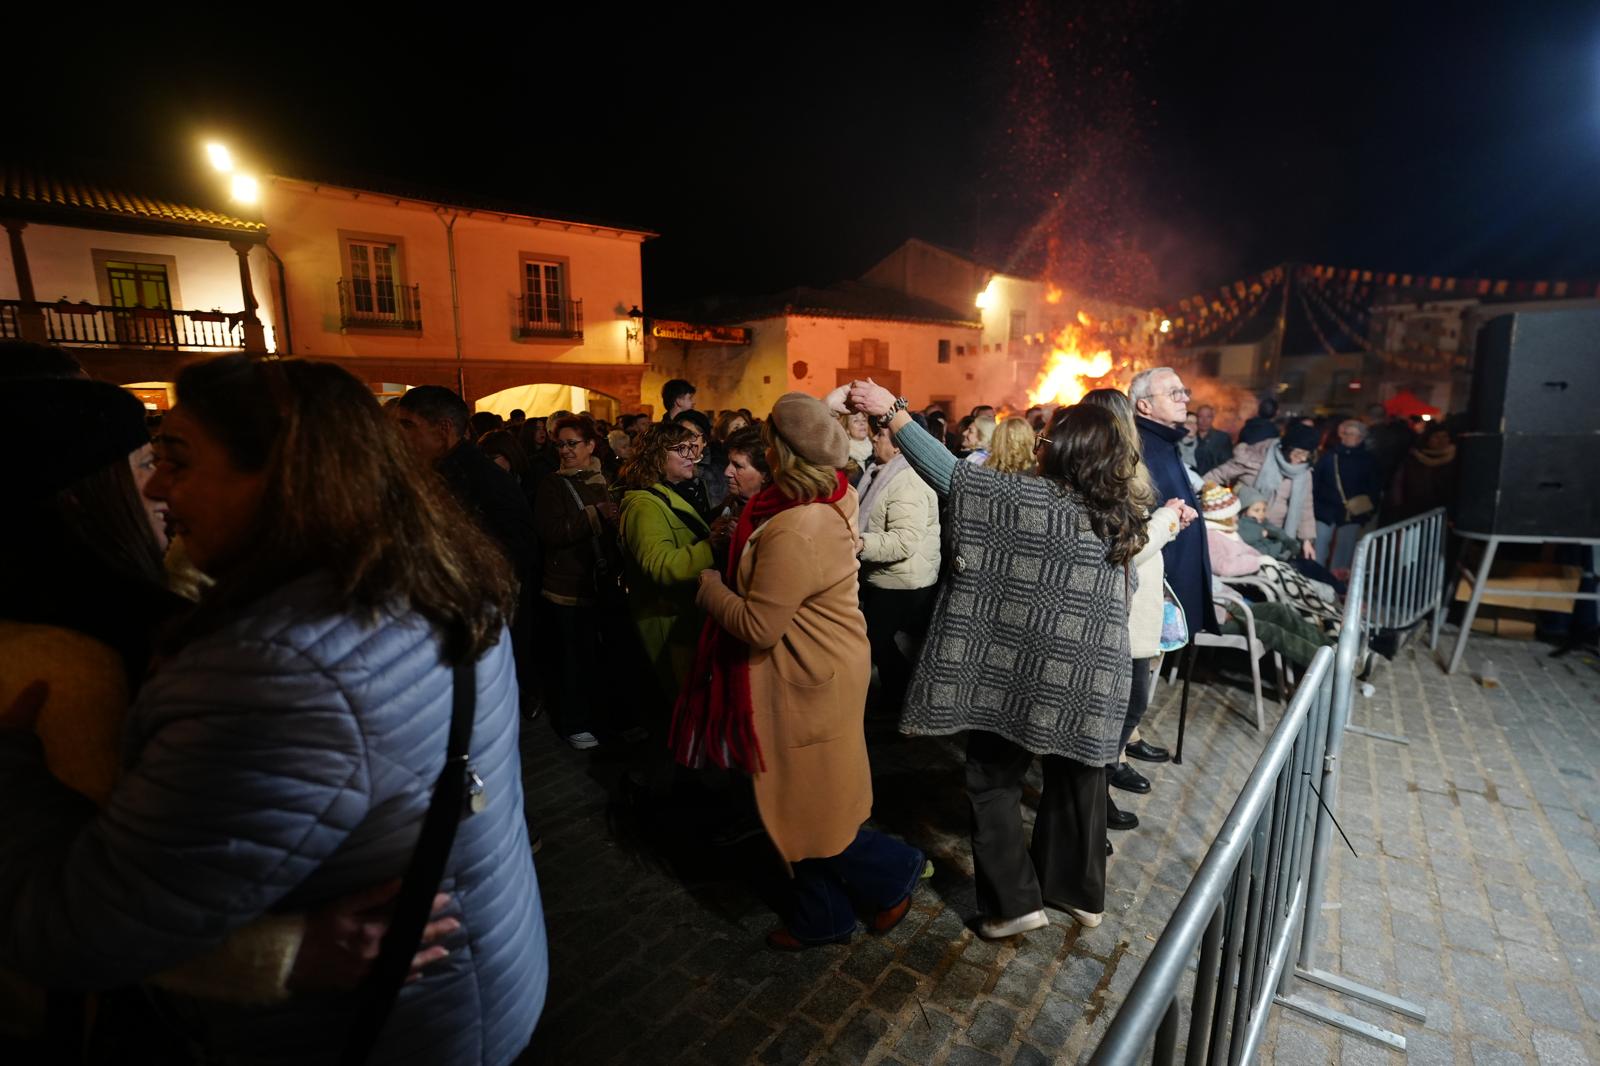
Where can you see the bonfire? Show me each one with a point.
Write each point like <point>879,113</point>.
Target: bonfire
<point>1072,368</point>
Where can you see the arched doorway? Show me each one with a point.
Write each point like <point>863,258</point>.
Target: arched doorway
<point>541,399</point>
<point>157,396</point>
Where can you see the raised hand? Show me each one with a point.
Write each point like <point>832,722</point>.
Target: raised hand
<point>870,397</point>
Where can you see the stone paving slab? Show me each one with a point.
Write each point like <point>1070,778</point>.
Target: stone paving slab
<point>1476,894</point>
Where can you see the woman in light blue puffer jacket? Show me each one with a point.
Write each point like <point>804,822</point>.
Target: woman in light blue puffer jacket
<point>284,751</point>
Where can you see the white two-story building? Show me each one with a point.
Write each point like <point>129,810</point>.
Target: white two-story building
<point>512,309</point>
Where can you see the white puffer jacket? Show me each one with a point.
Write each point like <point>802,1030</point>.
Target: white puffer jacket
<point>901,549</point>
<point>1144,611</point>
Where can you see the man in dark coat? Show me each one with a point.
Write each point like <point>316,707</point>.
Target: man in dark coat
<point>1261,427</point>
<point>1162,403</point>
<point>1213,446</point>
<point>434,422</point>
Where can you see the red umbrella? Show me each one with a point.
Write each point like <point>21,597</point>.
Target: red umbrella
<point>1404,404</point>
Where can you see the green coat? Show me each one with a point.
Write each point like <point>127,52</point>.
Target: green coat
<point>665,550</point>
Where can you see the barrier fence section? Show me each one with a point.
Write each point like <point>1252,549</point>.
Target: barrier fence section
<point>1242,908</point>
<point>1259,890</point>
<point>1400,571</point>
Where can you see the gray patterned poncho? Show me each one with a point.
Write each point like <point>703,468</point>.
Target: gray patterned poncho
<point>1029,636</point>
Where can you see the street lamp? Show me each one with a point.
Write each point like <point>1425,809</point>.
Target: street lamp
<point>245,189</point>
<point>635,328</point>
<point>220,157</point>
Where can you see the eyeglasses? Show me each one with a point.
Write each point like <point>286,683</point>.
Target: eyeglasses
<point>1179,393</point>
<point>687,450</point>
<point>1040,441</point>
<point>563,445</point>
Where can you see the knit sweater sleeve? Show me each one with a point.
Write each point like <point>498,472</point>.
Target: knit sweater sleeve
<point>930,459</point>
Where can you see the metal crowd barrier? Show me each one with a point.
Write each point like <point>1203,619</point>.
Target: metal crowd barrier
<point>1259,889</point>
<point>1397,577</point>
<point>1242,908</point>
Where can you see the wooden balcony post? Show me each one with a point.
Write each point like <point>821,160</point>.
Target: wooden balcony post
<point>30,317</point>
<point>255,335</point>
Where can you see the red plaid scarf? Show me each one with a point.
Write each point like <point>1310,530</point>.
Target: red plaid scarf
<point>714,719</point>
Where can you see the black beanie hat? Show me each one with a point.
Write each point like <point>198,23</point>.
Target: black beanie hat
<point>72,427</point>
<point>1299,435</point>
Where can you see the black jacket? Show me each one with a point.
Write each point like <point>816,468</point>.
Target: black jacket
<point>1256,430</point>
<point>1186,558</point>
<point>494,498</point>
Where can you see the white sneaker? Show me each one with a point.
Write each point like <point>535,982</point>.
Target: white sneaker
<point>1000,928</point>
<point>583,741</point>
<point>1087,919</point>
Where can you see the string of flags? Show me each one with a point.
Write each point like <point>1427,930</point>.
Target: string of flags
<point>1347,301</point>
<point>1415,356</point>
<point>1198,317</point>
<point>1464,288</point>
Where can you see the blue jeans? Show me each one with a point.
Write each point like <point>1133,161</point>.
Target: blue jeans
<point>873,874</point>
<point>1342,541</point>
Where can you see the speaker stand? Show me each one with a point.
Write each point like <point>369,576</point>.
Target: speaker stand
<point>1480,582</point>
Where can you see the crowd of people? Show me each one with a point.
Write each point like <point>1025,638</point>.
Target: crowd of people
<point>279,649</point>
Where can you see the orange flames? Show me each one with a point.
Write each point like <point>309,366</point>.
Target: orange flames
<point>1071,369</point>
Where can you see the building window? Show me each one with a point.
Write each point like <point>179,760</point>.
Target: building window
<point>545,307</point>
<point>138,285</point>
<point>1019,325</point>
<point>868,352</point>
<point>543,290</point>
<point>944,351</point>
<point>373,281</point>
<point>373,294</point>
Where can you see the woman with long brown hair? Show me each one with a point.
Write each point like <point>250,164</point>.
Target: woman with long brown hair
<point>1144,610</point>
<point>285,749</point>
<point>1027,651</point>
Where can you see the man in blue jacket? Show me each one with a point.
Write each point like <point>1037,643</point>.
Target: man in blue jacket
<point>1162,403</point>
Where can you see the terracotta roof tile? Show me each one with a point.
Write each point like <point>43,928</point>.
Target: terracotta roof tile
<point>23,185</point>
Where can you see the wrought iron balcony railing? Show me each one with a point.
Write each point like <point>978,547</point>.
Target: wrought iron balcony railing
<point>549,318</point>
<point>365,304</point>
<point>126,327</point>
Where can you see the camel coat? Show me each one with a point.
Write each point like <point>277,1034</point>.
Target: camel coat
<point>797,608</point>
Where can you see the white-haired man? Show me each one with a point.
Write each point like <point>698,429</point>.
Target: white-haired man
<point>1161,404</point>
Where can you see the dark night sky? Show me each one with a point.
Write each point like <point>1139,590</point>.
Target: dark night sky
<point>1189,143</point>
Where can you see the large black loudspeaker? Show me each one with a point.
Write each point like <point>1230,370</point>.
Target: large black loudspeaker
<point>1532,468</point>
<point>1537,372</point>
<point>1529,484</point>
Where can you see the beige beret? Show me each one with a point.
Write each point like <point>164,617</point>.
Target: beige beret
<point>810,430</point>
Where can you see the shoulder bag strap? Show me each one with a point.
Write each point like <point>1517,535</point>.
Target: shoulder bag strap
<point>698,525</point>
<point>422,877</point>
<point>1339,481</point>
<point>594,538</point>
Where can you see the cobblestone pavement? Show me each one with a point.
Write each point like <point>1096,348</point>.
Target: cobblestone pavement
<point>1476,895</point>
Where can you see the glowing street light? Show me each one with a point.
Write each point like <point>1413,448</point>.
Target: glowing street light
<point>1166,325</point>
<point>220,157</point>
<point>246,189</point>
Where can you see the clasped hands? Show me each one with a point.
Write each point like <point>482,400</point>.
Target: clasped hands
<point>865,397</point>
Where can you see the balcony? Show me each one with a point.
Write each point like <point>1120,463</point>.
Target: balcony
<point>558,319</point>
<point>377,305</point>
<point>99,326</point>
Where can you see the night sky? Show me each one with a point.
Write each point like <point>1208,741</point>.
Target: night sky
<point>1137,149</point>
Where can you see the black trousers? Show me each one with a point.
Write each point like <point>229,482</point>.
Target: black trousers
<point>892,611</point>
<point>1066,864</point>
<point>1138,700</point>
